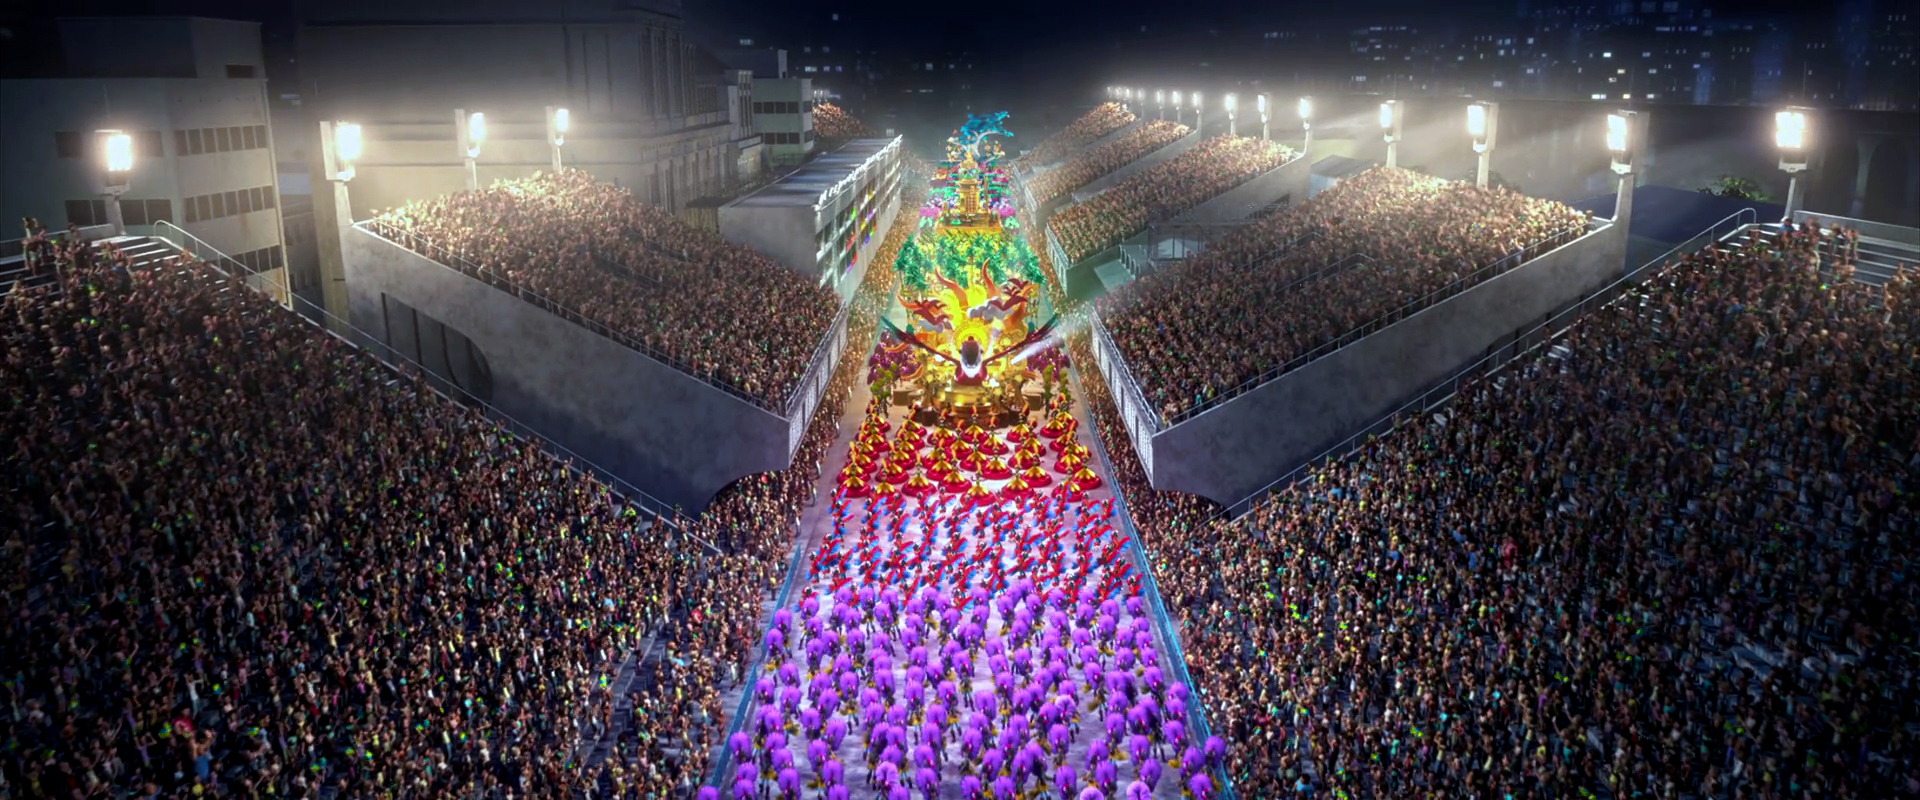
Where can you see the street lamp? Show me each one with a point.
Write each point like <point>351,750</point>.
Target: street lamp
<point>1179,108</point>
<point>472,132</point>
<point>1233,117</point>
<point>1392,116</point>
<point>1790,134</point>
<point>1306,126</point>
<point>558,121</point>
<point>1160,101</point>
<point>1483,123</point>
<point>116,173</point>
<point>1261,102</point>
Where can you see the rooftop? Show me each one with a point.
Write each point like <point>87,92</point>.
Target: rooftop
<point>804,187</point>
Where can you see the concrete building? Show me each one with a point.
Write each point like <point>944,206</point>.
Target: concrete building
<point>192,94</point>
<point>826,218</point>
<point>783,116</point>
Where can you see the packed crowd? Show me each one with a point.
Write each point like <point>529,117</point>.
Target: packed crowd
<point>247,560</point>
<point>830,121</point>
<point>721,311</point>
<point>1102,120</point>
<point>1241,309</point>
<point>1089,165</point>
<point>1162,192</point>
<point>1669,557</point>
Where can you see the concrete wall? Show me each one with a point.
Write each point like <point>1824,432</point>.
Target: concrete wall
<point>1148,161</point>
<point>1287,180</point>
<point>1231,451</point>
<point>653,426</point>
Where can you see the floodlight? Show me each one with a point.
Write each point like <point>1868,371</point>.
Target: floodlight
<point>116,147</point>
<point>1160,97</point>
<point>1176,98</point>
<point>476,133</point>
<point>559,120</point>
<point>1790,132</point>
<point>1477,121</point>
<point>1196,101</point>
<point>348,143</point>
<point>1260,103</point>
<point>1306,109</point>
<point>1386,114</point>
<point>1620,140</point>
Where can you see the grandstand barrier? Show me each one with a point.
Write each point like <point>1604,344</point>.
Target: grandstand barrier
<point>1139,165</point>
<point>1289,181</point>
<point>1229,448</point>
<point>679,437</point>
<point>1504,352</point>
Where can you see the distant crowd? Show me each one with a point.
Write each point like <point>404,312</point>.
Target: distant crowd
<point>830,121</point>
<point>1091,126</point>
<point>1261,298</point>
<point>723,312</point>
<point>1088,165</point>
<point>1162,192</point>
<point>1670,558</point>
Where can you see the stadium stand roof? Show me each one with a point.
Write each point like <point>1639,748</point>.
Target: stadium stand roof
<point>804,186</point>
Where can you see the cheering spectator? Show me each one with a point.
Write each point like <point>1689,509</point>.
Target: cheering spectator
<point>720,311</point>
<point>1228,316</point>
<point>1092,164</point>
<point>1667,558</point>
<point>1163,192</point>
<point>1102,120</point>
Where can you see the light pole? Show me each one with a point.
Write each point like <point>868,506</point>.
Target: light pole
<point>558,121</point>
<point>1306,127</point>
<point>1233,115</point>
<point>1160,101</point>
<point>1266,133</point>
<point>116,173</point>
<point>1790,134</point>
<point>1626,131</point>
<point>472,132</point>
<point>341,144</point>
<point>1179,108</point>
<point>1483,123</point>
<point>1199,113</point>
<point>1391,118</point>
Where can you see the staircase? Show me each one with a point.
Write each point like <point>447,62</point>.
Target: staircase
<point>143,251</point>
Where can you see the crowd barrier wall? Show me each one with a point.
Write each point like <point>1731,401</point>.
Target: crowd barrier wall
<point>680,438</point>
<point>1231,450</point>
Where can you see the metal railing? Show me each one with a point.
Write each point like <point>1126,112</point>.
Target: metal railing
<point>1481,275</point>
<point>446,256</point>
<point>1504,352</point>
<point>331,325</point>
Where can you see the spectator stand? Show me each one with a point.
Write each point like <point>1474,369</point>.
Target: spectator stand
<point>1740,226</point>
<point>1877,249</point>
<point>441,385</point>
<point>1118,176</point>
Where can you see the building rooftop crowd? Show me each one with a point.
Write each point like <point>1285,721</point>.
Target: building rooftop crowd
<point>1668,556</point>
<point>830,121</point>
<point>248,560</point>
<point>1091,126</point>
<point>1277,290</point>
<point>1162,192</point>
<point>723,312</point>
<point>1088,165</point>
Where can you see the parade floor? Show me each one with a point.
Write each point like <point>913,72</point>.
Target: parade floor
<point>969,550</point>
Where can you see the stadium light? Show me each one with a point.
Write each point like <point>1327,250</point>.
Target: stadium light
<point>471,130</point>
<point>1160,101</point>
<point>1260,100</point>
<point>558,121</point>
<point>1199,114</point>
<point>342,144</point>
<point>1620,141</point>
<point>1233,116</point>
<point>1179,108</point>
<point>1306,126</point>
<point>1392,118</point>
<point>116,172</point>
<point>1791,134</point>
<point>1483,124</point>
